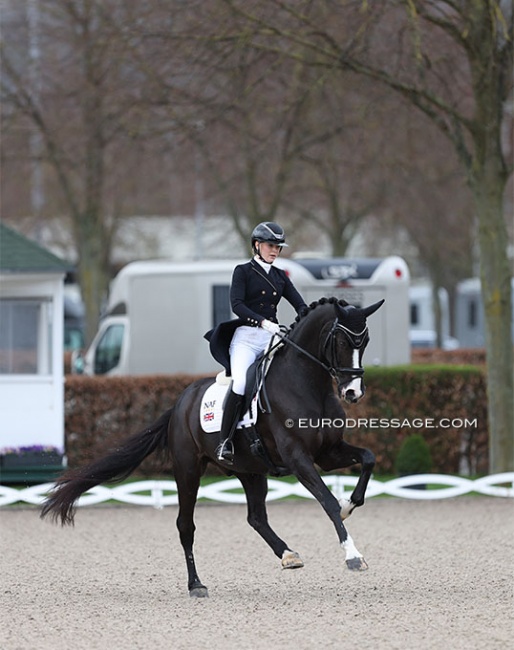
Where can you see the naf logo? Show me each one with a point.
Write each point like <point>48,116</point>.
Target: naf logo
<point>209,405</point>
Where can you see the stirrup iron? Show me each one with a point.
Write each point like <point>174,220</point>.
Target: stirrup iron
<point>225,451</point>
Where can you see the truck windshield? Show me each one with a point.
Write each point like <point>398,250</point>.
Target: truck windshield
<point>108,351</point>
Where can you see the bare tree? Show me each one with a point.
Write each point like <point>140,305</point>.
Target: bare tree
<point>267,131</point>
<point>428,196</point>
<point>344,179</point>
<point>256,129</point>
<point>452,60</point>
<point>85,113</point>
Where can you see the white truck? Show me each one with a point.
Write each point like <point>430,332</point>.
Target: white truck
<point>158,311</point>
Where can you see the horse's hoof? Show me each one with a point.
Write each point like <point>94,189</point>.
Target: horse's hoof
<point>347,507</point>
<point>357,564</point>
<point>291,560</point>
<point>199,592</point>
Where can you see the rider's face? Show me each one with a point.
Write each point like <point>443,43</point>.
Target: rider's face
<point>268,252</point>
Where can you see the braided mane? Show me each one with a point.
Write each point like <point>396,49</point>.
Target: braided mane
<point>322,301</point>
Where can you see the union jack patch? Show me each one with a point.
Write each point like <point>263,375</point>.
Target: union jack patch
<point>208,417</point>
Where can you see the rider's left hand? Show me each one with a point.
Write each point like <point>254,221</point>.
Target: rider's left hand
<point>271,327</point>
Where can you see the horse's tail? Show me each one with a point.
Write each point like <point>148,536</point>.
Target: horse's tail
<point>115,467</point>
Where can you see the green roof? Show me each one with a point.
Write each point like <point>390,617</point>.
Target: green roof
<point>21,255</point>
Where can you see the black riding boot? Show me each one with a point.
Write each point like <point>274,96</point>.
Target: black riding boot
<point>231,415</point>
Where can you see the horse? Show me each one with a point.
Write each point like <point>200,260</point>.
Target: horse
<point>318,365</point>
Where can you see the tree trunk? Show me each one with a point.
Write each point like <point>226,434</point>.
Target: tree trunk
<point>496,295</point>
<point>488,177</point>
<point>93,246</point>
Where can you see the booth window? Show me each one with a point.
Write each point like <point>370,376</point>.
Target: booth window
<point>25,336</point>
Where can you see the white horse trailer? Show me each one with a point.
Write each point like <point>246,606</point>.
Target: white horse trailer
<point>469,314</point>
<point>423,330</point>
<point>158,311</point>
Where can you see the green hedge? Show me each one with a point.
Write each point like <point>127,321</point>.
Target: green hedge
<point>100,412</point>
<point>445,404</point>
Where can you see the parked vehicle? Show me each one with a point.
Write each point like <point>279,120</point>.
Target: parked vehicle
<point>469,314</point>
<point>423,331</point>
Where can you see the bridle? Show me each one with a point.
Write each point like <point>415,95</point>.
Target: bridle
<point>344,374</point>
<point>357,340</point>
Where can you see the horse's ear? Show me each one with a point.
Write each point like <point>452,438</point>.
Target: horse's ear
<point>367,311</point>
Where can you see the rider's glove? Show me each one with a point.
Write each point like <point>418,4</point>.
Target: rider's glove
<point>273,328</point>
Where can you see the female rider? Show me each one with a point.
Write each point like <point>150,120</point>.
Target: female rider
<point>256,289</point>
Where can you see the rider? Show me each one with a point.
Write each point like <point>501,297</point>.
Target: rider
<point>256,289</point>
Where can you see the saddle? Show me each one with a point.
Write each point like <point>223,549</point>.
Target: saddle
<point>255,400</point>
<point>211,409</point>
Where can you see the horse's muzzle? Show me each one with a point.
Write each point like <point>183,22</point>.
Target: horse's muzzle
<point>351,397</point>
<point>353,392</point>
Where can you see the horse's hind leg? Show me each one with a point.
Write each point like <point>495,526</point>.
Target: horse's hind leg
<point>187,477</point>
<point>256,489</point>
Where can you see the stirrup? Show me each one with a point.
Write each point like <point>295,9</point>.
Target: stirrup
<point>225,451</point>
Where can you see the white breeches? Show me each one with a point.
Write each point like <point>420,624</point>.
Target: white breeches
<point>246,345</point>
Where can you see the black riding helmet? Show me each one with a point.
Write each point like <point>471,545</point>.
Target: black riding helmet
<point>270,233</point>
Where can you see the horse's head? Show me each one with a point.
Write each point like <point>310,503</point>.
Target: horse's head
<point>344,345</point>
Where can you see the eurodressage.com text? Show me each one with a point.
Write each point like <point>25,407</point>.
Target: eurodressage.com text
<point>383,423</point>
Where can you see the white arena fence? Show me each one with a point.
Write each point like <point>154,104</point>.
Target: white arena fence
<point>159,494</point>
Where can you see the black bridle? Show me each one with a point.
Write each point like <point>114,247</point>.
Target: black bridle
<point>344,374</point>
<point>357,340</point>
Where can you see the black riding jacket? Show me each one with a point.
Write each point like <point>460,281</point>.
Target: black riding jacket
<point>255,294</point>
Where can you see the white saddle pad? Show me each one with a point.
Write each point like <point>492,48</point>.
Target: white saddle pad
<point>211,410</point>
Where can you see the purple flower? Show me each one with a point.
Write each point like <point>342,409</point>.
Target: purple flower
<point>32,449</point>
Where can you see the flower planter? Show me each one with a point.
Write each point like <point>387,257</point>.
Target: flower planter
<point>29,466</point>
<point>31,459</point>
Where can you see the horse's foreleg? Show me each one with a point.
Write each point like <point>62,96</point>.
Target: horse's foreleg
<point>345,455</point>
<point>367,461</point>
<point>256,489</point>
<point>309,477</point>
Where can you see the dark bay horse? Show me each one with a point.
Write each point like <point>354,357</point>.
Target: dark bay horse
<point>319,364</point>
